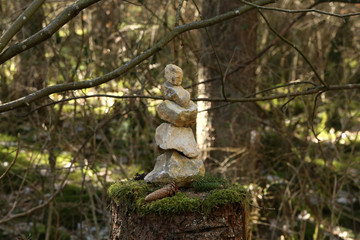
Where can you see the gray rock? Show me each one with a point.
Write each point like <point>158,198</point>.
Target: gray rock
<point>179,116</point>
<point>173,166</point>
<point>175,93</point>
<point>181,139</point>
<point>173,74</point>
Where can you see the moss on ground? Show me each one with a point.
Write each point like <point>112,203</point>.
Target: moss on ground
<point>132,195</point>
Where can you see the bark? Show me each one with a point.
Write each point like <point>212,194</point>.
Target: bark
<point>226,222</point>
<point>232,126</point>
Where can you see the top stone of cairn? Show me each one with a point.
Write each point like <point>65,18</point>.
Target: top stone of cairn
<point>173,74</point>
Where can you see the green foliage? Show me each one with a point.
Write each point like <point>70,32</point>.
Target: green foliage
<point>132,195</point>
<point>209,182</point>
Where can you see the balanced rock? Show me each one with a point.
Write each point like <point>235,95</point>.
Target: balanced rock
<point>181,139</point>
<point>175,93</point>
<point>173,74</point>
<point>173,166</point>
<point>179,116</point>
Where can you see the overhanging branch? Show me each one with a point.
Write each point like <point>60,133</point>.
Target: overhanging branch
<point>311,91</point>
<point>26,100</point>
<point>19,22</point>
<point>45,33</point>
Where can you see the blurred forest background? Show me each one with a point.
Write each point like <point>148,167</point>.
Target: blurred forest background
<point>277,91</point>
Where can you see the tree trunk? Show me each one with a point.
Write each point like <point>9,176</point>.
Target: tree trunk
<point>227,134</point>
<point>225,222</point>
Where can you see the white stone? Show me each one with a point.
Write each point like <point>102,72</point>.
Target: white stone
<point>175,93</point>
<point>181,139</point>
<point>179,116</point>
<point>173,166</point>
<point>173,74</point>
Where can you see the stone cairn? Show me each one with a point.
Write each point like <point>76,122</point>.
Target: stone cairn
<point>179,161</point>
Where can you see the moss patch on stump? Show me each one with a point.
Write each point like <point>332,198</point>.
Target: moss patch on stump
<point>131,194</point>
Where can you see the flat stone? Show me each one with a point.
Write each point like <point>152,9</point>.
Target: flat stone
<point>173,74</point>
<point>181,139</point>
<point>179,116</point>
<point>173,166</point>
<point>175,93</point>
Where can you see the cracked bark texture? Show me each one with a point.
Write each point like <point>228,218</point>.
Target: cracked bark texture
<point>225,222</point>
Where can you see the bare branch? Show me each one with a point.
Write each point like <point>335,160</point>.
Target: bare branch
<point>310,91</point>
<point>95,95</point>
<point>26,100</point>
<point>315,90</point>
<point>282,86</point>
<point>260,53</point>
<point>45,33</point>
<point>303,10</point>
<point>295,47</point>
<point>216,55</point>
<point>63,182</point>
<point>19,22</point>
<point>14,160</point>
<point>178,9</point>
<point>343,1</point>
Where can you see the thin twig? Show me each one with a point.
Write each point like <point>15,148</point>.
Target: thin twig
<point>91,96</point>
<point>310,91</point>
<point>313,115</point>
<point>45,33</point>
<point>175,41</point>
<point>282,86</point>
<point>284,106</point>
<point>302,11</point>
<point>14,160</point>
<point>215,53</point>
<point>26,100</point>
<point>295,47</point>
<point>259,54</point>
<point>178,13</point>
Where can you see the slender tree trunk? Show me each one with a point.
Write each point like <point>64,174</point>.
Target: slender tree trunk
<point>227,135</point>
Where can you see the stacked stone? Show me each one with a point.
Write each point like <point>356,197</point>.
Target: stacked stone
<point>179,162</point>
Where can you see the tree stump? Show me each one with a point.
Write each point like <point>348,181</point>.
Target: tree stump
<point>216,215</point>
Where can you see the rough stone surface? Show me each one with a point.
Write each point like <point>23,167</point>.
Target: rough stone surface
<point>175,93</point>
<point>225,222</point>
<point>181,139</point>
<point>181,117</point>
<point>173,74</point>
<point>173,166</point>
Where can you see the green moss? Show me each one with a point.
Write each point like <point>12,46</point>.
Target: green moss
<point>132,194</point>
<point>171,205</point>
<point>233,194</point>
<point>209,182</point>
<point>128,192</point>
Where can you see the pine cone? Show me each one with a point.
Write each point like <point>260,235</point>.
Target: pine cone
<point>168,190</point>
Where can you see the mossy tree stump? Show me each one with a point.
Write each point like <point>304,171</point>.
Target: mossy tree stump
<point>218,214</point>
